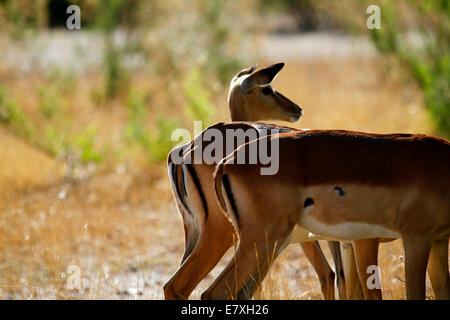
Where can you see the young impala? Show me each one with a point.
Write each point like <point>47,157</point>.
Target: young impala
<point>344,185</point>
<point>208,233</point>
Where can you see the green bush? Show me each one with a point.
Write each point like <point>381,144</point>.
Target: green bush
<point>61,141</point>
<point>13,117</point>
<point>111,15</point>
<point>434,78</point>
<point>50,101</point>
<point>22,16</point>
<point>198,106</point>
<point>160,142</point>
<point>136,131</point>
<point>156,143</point>
<point>63,80</point>
<point>115,74</point>
<point>215,25</point>
<point>86,148</point>
<point>429,63</point>
<point>55,142</point>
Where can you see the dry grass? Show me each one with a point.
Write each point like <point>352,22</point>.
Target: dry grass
<point>292,277</point>
<point>107,224</point>
<point>122,229</point>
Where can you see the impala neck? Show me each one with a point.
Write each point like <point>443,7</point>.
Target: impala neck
<point>239,115</point>
<point>238,110</point>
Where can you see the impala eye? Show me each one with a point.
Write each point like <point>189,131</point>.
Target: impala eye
<point>266,90</point>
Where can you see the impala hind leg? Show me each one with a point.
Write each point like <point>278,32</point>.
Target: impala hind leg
<point>353,284</point>
<point>247,269</point>
<point>366,254</point>
<point>320,264</point>
<point>438,269</point>
<point>417,251</point>
<point>335,250</point>
<point>191,236</point>
<point>205,255</point>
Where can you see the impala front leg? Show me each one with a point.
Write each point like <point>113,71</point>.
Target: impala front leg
<point>247,269</point>
<point>353,284</point>
<point>323,270</point>
<point>335,250</point>
<point>366,254</point>
<point>438,269</point>
<point>417,251</point>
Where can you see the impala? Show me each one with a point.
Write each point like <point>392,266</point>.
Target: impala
<point>208,233</point>
<point>344,185</point>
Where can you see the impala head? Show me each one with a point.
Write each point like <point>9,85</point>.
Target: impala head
<point>252,98</point>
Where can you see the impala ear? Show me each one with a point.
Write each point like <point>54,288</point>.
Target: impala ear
<point>261,77</point>
<point>246,71</point>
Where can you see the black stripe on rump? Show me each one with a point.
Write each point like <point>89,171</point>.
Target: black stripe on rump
<point>180,190</point>
<point>226,184</point>
<point>199,187</point>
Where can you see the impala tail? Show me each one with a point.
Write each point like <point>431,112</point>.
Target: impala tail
<point>225,195</point>
<point>177,177</point>
<point>218,185</point>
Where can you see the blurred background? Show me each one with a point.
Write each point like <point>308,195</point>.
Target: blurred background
<point>86,118</point>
